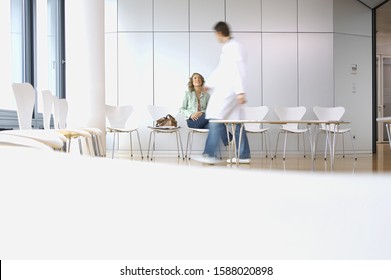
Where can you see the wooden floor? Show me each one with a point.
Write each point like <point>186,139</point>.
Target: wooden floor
<point>379,162</point>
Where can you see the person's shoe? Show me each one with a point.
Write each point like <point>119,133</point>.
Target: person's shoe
<point>207,159</point>
<point>241,160</point>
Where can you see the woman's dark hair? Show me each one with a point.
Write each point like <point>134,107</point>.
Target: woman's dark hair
<point>190,83</point>
<point>223,28</point>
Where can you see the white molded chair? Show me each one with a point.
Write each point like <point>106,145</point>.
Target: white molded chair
<point>47,102</point>
<point>190,136</point>
<point>60,122</point>
<point>290,114</point>
<point>334,114</point>
<point>9,141</point>
<point>25,100</point>
<point>117,117</point>
<point>257,113</point>
<point>156,112</point>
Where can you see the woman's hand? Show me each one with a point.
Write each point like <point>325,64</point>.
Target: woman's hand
<point>195,116</point>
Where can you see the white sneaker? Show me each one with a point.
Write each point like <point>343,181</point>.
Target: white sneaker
<point>241,160</point>
<point>207,160</point>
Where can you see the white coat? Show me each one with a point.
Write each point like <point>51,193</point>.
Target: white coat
<point>226,82</point>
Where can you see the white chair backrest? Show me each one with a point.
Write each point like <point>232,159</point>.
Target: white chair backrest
<point>329,114</point>
<point>290,114</point>
<point>118,115</point>
<point>156,112</point>
<point>255,113</point>
<point>63,103</point>
<point>25,99</point>
<point>60,112</point>
<point>47,102</point>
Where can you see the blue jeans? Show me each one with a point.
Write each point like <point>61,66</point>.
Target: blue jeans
<point>202,122</point>
<point>216,132</point>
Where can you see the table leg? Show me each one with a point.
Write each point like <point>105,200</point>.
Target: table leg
<point>229,144</point>
<point>388,133</point>
<point>233,128</point>
<point>240,142</point>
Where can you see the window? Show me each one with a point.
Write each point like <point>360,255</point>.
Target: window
<point>32,33</point>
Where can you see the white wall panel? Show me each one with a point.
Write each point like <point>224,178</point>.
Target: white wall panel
<point>252,46</point>
<point>171,68</point>
<point>354,91</point>
<point>135,15</point>
<point>279,70</point>
<point>316,73</point>
<point>204,14</point>
<point>352,17</point>
<point>111,16</point>
<point>244,15</point>
<point>136,77</point>
<point>171,15</point>
<point>315,15</point>
<point>111,73</point>
<point>204,53</point>
<point>279,15</point>
<point>171,74</point>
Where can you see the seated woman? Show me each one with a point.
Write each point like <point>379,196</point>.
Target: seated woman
<point>195,102</point>
<point>194,105</point>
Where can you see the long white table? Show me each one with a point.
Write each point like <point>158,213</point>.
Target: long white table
<point>231,125</point>
<point>387,122</point>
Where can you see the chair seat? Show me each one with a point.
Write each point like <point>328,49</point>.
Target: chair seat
<point>74,133</point>
<point>115,129</point>
<point>9,140</point>
<point>165,128</point>
<point>49,137</point>
<point>119,118</point>
<point>259,130</point>
<point>200,130</point>
<point>298,130</point>
<point>336,131</point>
<point>157,112</point>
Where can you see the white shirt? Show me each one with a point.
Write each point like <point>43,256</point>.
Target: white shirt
<point>227,81</point>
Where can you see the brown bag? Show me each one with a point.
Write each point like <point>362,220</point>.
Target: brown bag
<point>166,121</point>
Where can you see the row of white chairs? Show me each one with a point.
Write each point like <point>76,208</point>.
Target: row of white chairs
<point>119,115</point>
<point>58,138</point>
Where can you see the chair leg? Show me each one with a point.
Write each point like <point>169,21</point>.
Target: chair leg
<point>191,143</point>
<point>149,143</point>
<point>153,144</point>
<point>139,143</point>
<point>354,148</point>
<point>325,146</point>
<point>187,142</point>
<point>80,146</point>
<point>178,136</point>
<point>112,151</point>
<point>286,135</point>
<point>269,143</point>
<point>100,145</point>
<point>343,146</point>
<point>69,145</point>
<point>131,144</point>
<point>275,152</point>
<point>177,144</point>
<point>304,145</point>
<point>180,142</point>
